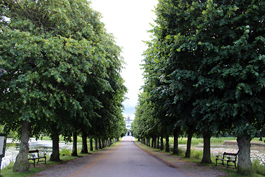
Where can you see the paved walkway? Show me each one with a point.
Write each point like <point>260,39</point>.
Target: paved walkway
<point>127,160</point>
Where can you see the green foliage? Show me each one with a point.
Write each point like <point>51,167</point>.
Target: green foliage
<point>204,68</point>
<point>196,154</point>
<point>258,167</point>
<point>8,171</point>
<point>145,122</point>
<point>62,70</point>
<point>65,152</point>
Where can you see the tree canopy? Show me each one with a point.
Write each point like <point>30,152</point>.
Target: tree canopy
<point>204,68</point>
<point>62,71</point>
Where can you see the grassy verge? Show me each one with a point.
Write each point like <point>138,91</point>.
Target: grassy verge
<point>196,157</point>
<point>65,156</point>
<point>214,140</point>
<point>79,138</point>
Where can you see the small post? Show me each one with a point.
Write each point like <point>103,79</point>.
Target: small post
<point>2,148</point>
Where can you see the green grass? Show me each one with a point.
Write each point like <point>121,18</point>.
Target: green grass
<point>65,152</point>
<point>258,167</point>
<point>8,171</point>
<point>65,155</point>
<point>196,141</point>
<point>79,138</point>
<point>214,140</point>
<point>233,173</point>
<point>196,156</point>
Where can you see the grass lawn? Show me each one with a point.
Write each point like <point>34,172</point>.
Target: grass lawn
<point>66,156</point>
<point>196,156</point>
<point>214,140</point>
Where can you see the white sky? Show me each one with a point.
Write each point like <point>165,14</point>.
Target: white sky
<point>129,21</point>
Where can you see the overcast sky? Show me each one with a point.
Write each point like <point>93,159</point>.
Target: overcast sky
<point>129,22</point>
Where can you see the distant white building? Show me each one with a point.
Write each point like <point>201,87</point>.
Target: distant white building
<point>128,123</point>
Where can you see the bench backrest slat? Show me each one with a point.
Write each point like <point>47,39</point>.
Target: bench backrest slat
<point>34,151</point>
<point>233,154</point>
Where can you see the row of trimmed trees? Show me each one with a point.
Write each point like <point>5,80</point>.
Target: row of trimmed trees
<point>204,73</point>
<point>61,74</point>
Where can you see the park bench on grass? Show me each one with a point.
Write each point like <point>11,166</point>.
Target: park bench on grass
<point>36,159</point>
<point>228,157</point>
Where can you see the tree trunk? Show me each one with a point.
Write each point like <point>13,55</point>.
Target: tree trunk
<point>157,144</point>
<point>162,143</point>
<point>104,143</point>
<point>96,144</point>
<point>176,141</point>
<point>22,163</point>
<point>187,154</point>
<point>167,143</point>
<point>55,156</point>
<point>149,142</point>
<point>74,153</point>
<point>84,143</point>
<point>91,143</point>
<point>260,135</point>
<point>244,162</point>
<point>99,143</point>
<point>153,142</point>
<point>206,148</point>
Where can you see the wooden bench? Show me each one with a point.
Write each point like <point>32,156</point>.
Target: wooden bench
<point>228,157</point>
<point>36,159</point>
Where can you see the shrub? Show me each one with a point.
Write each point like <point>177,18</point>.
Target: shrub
<point>9,166</point>
<point>182,151</point>
<point>258,167</point>
<point>196,154</point>
<point>65,152</point>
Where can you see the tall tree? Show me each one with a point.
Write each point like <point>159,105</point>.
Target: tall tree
<point>213,54</point>
<point>49,50</point>
<point>231,37</point>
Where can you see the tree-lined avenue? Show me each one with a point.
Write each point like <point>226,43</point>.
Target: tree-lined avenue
<point>126,160</point>
<point>130,161</point>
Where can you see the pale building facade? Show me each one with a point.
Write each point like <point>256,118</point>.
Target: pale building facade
<point>128,123</point>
